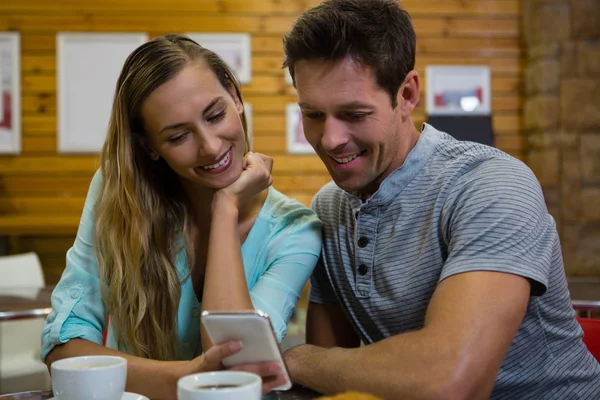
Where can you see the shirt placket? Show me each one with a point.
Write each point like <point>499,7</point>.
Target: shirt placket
<point>364,251</point>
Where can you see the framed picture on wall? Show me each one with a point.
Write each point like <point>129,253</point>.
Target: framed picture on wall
<point>295,140</point>
<point>10,93</point>
<point>88,67</point>
<point>234,48</point>
<point>248,113</point>
<point>458,90</point>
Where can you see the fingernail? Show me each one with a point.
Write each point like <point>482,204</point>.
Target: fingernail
<point>235,346</point>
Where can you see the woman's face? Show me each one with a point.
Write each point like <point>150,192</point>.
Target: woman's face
<point>194,124</point>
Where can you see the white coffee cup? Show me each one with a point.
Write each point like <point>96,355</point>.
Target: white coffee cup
<point>220,385</point>
<point>89,377</point>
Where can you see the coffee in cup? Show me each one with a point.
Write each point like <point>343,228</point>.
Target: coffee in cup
<point>220,385</point>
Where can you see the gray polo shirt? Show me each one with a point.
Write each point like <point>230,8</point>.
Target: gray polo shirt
<point>455,207</point>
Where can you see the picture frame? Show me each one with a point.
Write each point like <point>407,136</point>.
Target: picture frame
<point>458,90</point>
<point>10,93</point>
<point>88,63</point>
<point>296,143</point>
<point>234,48</point>
<point>249,124</point>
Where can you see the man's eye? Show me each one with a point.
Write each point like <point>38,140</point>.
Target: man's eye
<point>356,116</point>
<point>312,115</point>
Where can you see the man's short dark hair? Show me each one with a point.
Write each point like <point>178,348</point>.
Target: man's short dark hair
<point>375,33</point>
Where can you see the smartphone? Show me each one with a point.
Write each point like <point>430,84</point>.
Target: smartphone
<point>253,329</point>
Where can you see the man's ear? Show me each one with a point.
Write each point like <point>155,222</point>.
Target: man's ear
<point>408,94</point>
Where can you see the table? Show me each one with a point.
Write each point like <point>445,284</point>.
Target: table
<point>292,394</point>
<point>24,303</point>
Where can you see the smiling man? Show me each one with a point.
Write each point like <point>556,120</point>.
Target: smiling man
<point>438,255</point>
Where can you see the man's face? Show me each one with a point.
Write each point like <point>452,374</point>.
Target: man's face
<point>349,121</point>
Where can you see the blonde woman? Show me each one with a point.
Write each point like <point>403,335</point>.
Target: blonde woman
<point>179,218</point>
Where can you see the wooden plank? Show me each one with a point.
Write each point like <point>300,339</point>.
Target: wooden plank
<point>38,103</point>
<point>46,245</point>
<point>415,7</point>
<point>34,145</point>
<point>154,6</point>
<point>276,25</point>
<point>53,266</point>
<point>64,185</point>
<point>511,142</point>
<point>41,205</point>
<point>38,43</point>
<point>48,165</point>
<point>308,183</point>
<point>506,8</point>
<point>303,198</point>
<point>39,124</point>
<point>39,224</point>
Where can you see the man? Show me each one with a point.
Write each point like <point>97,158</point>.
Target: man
<point>439,255</point>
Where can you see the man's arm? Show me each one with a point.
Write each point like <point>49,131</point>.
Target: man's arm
<point>327,326</point>
<point>470,323</point>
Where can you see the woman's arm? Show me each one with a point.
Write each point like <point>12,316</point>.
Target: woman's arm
<point>225,286</point>
<point>158,379</point>
<point>154,379</point>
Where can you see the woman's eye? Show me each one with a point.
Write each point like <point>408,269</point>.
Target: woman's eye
<point>178,137</point>
<point>218,117</point>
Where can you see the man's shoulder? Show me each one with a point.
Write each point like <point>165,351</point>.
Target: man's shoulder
<point>464,158</point>
<point>329,195</point>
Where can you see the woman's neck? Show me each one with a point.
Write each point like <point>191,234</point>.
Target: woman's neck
<point>201,200</point>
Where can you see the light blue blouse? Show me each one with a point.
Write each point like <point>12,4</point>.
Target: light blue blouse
<point>279,255</point>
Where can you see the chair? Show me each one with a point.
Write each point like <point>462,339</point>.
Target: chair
<point>20,341</point>
<point>591,335</point>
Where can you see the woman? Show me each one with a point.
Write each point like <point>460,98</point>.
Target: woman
<point>179,218</point>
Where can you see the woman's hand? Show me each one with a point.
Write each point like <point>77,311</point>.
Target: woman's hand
<point>255,177</point>
<point>212,361</point>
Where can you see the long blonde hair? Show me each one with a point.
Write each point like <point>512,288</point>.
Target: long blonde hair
<point>141,211</point>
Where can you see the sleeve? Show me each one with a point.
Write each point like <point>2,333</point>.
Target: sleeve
<point>321,291</point>
<point>496,220</point>
<point>295,252</point>
<point>77,307</point>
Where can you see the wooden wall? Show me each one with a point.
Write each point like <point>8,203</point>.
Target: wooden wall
<point>41,193</point>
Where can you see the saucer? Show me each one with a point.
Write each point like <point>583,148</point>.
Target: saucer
<point>126,396</point>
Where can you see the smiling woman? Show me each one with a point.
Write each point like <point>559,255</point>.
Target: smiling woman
<point>179,218</point>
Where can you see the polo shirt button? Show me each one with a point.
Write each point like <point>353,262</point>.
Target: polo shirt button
<point>363,269</point>
<point>363,241</point>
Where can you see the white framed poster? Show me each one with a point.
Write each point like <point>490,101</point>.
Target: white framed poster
<point>234,48</point>
<point>458,90</point>
<point>295,140</point>
<point>248,113</point>
<point>10,93</point>
<point>88,67</point>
